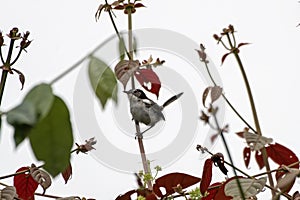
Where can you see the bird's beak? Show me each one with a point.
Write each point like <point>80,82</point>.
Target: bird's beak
<point>127,92</point>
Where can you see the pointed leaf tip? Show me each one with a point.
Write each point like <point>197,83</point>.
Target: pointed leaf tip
<point>206,176</point>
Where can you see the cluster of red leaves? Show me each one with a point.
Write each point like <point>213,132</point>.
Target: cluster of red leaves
<point>169,182</point>
<point>281,155</point>
<point>147,78</point>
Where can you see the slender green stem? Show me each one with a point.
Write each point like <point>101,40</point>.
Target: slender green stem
<point>228,102</point>
<point>253,108</point>
<point>229,155</point>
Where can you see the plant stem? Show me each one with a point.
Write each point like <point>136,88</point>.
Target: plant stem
<point>228,102</point>
<point>254,112</point>
<point>229,155</point>
<point>4,71</point>
<point>117,32</point>
<point>137,126</point>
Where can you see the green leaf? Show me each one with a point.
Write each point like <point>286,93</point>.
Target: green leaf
<point>34,107</point>
<point>51,138</point>
<point>22,118</point>
<point>103,81</point>
<point>42,97</point>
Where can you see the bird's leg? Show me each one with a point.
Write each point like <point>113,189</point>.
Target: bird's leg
<point>140,135</point>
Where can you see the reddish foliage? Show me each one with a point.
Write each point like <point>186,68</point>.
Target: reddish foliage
<point>25,185</point>
<point>67,173</point>
<point>242,44</point>
<point>224,57</point>
<point>126,196</point>
<point>206,176</point>
<point>212,192</point>
<point>171,181</point>
<point>151,197</point>
<point>282,155</point>
<point>146,76</point>
<point>247,155</point>
<point>140,192</point>
<point>259,159</point>
<point>240,134</point>
<point>216,192</point>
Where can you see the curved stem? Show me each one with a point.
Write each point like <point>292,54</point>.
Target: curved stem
<point>19,54</point>
<point>117,32</point>
<point>228,102</point>
<point>17,173</point>
<point>229,155</point>
<point>253,108</point>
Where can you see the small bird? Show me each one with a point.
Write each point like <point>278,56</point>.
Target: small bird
<point>145,110</point>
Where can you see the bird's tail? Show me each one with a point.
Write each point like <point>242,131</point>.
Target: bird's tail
<point>173,98</point>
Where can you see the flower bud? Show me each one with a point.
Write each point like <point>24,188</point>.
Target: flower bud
<point>216,37</point>
<point>1,39</point>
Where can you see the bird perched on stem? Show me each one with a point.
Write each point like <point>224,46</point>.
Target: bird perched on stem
<point>146,111</point>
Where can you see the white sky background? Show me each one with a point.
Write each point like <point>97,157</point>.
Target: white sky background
<point>64,31</point>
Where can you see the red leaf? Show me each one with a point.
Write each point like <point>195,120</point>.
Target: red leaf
<point>25,185</point>
<point>119,7</point>
<point>282,155</point>
<point>172,180</point>
<point>67,173</point>
<point>126,196</point>
<point>151,197</point>
<point>140,192</point>
<point>259,159</point>
<point>247,155</point>
<point>206,176</point>
<point>212,192</point>
<point>221,194</point>
<point>240,134</point>
<point>224,57</point>
<point>216,192</point>
<point>242,44</point>
<point>138,5</point>
<point>146,77</point>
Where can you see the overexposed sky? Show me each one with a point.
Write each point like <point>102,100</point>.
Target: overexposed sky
<point>65,31</point>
